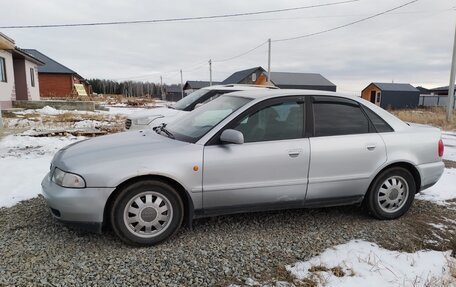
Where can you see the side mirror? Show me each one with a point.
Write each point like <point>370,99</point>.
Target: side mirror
<point>198,105</point>
<point>232,136</point>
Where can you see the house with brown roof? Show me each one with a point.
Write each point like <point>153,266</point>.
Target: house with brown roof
<point>18,74</point>
<point>57,80</point>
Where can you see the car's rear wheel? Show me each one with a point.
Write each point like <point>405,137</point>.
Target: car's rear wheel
<point>146,212</point>
<point>391,194</point>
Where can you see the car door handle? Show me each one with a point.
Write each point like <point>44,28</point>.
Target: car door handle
<point>294,153</point>
<point>371,146</point>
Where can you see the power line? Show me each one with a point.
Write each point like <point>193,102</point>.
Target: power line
<point>170,72</point>
<point>240,55</point>
<point>306,35</point>
<point>346,25</point>
<point>177,19</point>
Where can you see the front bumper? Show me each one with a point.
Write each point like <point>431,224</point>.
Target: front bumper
<point>430,173</point>
<point>83,207</point>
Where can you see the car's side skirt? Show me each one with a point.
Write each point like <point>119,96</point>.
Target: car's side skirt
<point>315,203</point>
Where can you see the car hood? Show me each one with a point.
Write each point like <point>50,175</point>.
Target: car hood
<point>156,113</point>
<point>113,149</point>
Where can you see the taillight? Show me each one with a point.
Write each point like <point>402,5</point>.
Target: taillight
<point>441,148</point>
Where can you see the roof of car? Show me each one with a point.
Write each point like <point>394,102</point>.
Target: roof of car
<point>285,92</point>
<point>239,87</point>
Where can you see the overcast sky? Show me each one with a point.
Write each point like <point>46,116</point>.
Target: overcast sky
<point>411,45</point>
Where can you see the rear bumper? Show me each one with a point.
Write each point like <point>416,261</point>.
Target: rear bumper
<point>82,207</point>
<point>430,173</point>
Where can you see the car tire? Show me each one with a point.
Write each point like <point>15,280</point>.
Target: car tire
<point>391,193</point>
<point>146,213</point>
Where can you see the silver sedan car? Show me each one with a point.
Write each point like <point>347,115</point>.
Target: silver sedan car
<point>245,151</point>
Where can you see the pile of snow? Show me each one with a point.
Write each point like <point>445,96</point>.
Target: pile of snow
<point>47,110</point>
<point>20,123</point>
<point>444,189</point>
<point>449,141</point>
<point>361,263</point>
<point>123,111</point>
<point>87,124</point>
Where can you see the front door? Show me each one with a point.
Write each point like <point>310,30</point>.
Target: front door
<point>269,170</point>
<point>373,96</point>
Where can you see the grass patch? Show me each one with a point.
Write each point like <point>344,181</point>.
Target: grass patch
<point>336,271</point>
<point>435,116</point>
<point>70,117</point>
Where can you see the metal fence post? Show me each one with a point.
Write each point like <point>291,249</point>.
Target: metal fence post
<point>1,119</point>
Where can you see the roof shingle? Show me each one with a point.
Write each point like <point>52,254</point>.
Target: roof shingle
<point>50,66</point>
<point>396,87</point>
<point>299,79</point>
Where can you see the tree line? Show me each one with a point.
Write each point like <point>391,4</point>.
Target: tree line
<point>130,88</point>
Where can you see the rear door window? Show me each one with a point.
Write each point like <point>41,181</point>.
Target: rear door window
<point>380,125</point>
<point>334,116</point>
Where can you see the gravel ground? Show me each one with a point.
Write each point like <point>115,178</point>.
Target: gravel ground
<point>37,250</point>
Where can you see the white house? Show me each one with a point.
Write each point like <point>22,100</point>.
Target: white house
<point>18,74</point>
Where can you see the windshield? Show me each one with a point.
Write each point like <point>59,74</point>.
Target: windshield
<point>192,126</point>
<point>190,99</point>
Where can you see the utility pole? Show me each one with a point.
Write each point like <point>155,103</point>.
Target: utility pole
<point>210,72</point>
<point>451,86</point>
<point>182,86</point>
<point>269,61</point>
<point>161,89</point>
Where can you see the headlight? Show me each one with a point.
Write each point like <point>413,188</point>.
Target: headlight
<point>145,121</point>
<point>67,179</point>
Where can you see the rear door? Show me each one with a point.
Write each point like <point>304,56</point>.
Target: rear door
<point>269,169</point>
<point>345,152</point>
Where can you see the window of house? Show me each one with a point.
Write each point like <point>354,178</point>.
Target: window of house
<point>2,70</point>
<point>276,122</point>
<point>333,118</point>
<point>32,76</point>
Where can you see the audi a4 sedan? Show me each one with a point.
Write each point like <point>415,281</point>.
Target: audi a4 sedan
<point>245,151</point>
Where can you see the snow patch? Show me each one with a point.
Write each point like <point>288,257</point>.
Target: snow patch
<point>87,124</point>
<point>444,189</point>
<point>23,178</point>
<point>449,141</point>
<point>18,146</point>
<point>366,264</point>
<point>47,110</point>
<point>24,161</point>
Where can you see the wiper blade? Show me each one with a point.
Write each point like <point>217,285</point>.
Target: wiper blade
<point>162,128</point>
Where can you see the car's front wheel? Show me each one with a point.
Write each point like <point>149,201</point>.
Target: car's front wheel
<point>391,194</point>
<point>146,212</point>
